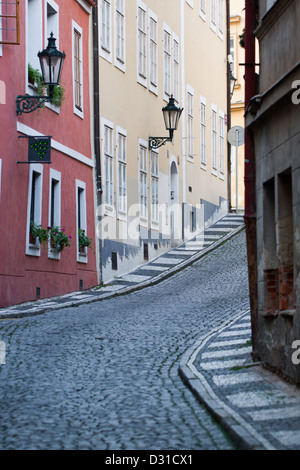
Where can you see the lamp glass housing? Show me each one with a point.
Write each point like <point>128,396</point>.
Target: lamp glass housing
<point>51,61</point>
<point>171,115</point>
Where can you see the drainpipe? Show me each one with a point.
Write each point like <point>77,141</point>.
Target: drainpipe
<point>228,105</point>
<point>250,194</point>
<point>97,130</point>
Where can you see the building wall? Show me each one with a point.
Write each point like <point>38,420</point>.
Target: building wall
<point>274,119</point>
<point>188,192</point>
<point>27,271</point>
<point>237,25</point>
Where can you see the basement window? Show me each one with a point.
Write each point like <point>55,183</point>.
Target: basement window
<point>114,261</point>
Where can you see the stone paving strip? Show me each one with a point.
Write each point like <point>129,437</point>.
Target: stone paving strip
<point>156,270</point>
<point>264,413</point>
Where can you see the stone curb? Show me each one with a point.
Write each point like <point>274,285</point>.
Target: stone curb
<point>243,435</point>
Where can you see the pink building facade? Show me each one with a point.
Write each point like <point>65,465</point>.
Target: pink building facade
<point>59,194</point>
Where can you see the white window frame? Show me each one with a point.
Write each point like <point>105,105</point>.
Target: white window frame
<point>54,176</point>
<point>203,133</point>
<point>232,43</point>
<point>108,158</point>
<point>221,144</point>
<point>143,182</point>
<point>105,44</point>
<point>154,196</point>
<point>214,139</point>
<point>80,188</point>
<point>221,16</point>
<point>141,41</point>
<point>120,35</point>
<point>121,161</point>
<point>0,177</point>
<point>202,9</point>
<point>167,62</point>
<point>270,3</point>
<point>33,41</point>
<point>78,29</point>
<point>213,15</point>
<point>176,67</point>
<point>1,50</point>
<point>34,249</point>
<point>232,159</point>
<point>190,122</point>
<point>153,53</point>
<point>54,26</point>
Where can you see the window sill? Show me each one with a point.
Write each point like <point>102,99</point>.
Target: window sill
<point>287,313</point>
<point>82,257</point>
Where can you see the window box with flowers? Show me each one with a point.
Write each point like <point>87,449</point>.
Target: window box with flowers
<point>38,235</point>
<point>84,242</point>
<point>58,239</point>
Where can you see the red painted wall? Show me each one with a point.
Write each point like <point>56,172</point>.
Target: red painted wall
<point>20,274</point>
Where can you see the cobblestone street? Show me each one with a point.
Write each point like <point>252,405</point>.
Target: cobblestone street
<point>105,375</point>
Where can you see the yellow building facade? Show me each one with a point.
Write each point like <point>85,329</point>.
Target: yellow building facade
<point>237,53</point>
<point>153,199</point>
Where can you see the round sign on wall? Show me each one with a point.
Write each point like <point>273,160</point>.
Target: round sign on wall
<point>236,136</point>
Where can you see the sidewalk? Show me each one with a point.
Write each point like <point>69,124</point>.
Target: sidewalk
<point>151,273</point>
<point>259,410</point>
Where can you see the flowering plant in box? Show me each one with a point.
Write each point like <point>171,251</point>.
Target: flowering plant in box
<point>83,240</point>
<point>58,238</point>
<point>38,233</point>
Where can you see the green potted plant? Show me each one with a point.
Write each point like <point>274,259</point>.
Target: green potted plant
<point>38,234</point>
<point>83,241</point>
<point>58,238</point>
<point>58,95</point>
<point>35,78</point>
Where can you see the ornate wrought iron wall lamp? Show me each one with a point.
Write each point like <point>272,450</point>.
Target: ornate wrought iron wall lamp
<point>51,61</point>
<point>171,115</point>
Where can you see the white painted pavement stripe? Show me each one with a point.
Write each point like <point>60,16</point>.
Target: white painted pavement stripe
<point>192,250</point>
<point>288,438</point>
<point>226,343</point>
<point>2,353</point>
<point>275,413</point>
<point>134,278</point>
<point>224,380</point>
<point>214,236</point>
<point>243,325</point>
<point>80,296</point>
<point>109,288</point>
<point>259,399</point>
<point>210,365</point>
<point>235,333</point>
<point>234,217</point>
<point>50,304</point>
<point>228,223</point>
<point>185,251</point>
<point>166,261</point>
<point>179,253</point>
<point>154,268</point>
<point>226,353</point>
<point>216,229</point>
